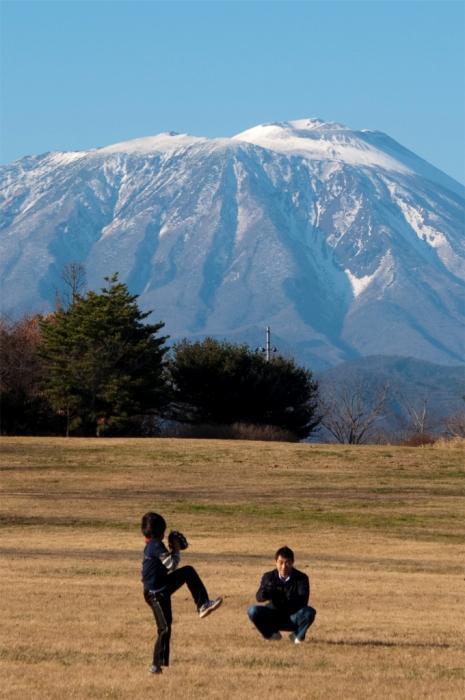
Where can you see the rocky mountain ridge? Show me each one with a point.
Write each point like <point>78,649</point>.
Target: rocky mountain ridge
<point>344,242</point>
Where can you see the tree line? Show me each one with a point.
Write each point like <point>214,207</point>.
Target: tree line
<point>96,366</point>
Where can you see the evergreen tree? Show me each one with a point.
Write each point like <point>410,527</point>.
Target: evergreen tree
<point>222,383</point>
<point>102,363</point>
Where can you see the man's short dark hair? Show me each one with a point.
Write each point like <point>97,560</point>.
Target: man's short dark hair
<point>285,553</point>
<point>153,525</point>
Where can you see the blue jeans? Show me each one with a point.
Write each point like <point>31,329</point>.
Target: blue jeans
<point>268,620</point>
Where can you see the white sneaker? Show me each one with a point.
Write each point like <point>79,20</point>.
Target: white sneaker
<point>210,606</point>
<point>274,637</point>
<point>294,639</point>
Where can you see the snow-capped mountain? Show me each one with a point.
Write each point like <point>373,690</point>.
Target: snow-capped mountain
<point>344,242</point>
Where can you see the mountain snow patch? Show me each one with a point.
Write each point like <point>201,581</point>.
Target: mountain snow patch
<point>359,284</point>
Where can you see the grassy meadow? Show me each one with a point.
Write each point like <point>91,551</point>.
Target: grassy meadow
<point>379,529</point>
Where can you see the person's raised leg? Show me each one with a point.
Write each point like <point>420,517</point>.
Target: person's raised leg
<point>189,576</point>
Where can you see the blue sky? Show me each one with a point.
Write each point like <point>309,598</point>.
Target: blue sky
<point>78,75</point>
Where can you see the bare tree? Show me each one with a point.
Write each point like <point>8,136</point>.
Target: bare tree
<point>418,422</point>
<point>352,410</point>
<point>454,425</point>
<point>19,362</point>
<point>20,397</point>
<point>74,279</point>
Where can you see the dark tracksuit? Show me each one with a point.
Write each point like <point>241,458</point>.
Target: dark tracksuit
<point>288,607</point>
<point>161,579</point>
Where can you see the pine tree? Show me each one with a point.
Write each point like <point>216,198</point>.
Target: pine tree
<point>102,363</point>
<point>223,383</point>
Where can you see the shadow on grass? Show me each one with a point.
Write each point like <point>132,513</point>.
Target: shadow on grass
<point>383,643</point>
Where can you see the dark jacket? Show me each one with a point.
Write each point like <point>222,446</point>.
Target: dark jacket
<point>287,597</point>
<point>157,564</point>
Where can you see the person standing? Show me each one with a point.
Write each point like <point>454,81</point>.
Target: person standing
<point>286,591</point>
<point>161,578</point>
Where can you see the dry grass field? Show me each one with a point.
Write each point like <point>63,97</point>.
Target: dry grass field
<point>380,530</point>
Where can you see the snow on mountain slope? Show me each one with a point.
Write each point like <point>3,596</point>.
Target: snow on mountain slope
<point>344,242</point>
<point>165,142</point>
<point>318,140</point>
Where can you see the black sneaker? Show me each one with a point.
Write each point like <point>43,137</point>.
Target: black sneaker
<point>209,607</point>
<point>155,669</point>
<point>275,637</point>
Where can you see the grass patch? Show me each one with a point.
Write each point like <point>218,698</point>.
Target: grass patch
<point>379,530</point>
<point>403,524</point>
<point>71,523</point>
<point>262,662</point>
<point>32,655</point>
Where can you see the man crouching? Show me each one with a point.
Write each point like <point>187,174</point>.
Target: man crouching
<point>287,591</point>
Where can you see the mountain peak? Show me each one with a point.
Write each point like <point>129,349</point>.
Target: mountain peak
<point>287,129</point>
<point>319,140</point>
<point>312,124</point>
<point>165,141</point>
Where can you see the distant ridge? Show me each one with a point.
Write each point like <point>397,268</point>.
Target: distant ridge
<point>410,381</point>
